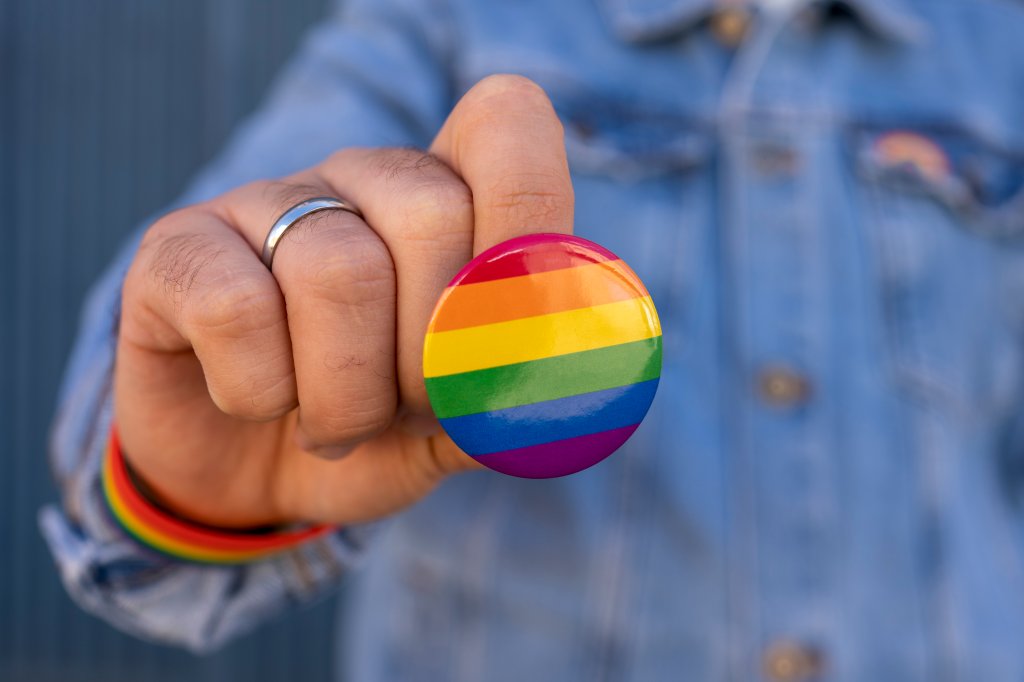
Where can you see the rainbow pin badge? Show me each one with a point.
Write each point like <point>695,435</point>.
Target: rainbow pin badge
<point>543,355</point>
<point>904,148</point>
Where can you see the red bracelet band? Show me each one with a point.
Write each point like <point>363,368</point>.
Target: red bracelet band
<point>170,535</point>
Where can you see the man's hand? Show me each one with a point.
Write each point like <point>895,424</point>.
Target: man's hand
<point>245,397</point>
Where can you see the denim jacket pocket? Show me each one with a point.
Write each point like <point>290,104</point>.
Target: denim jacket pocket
<point>945,224</point>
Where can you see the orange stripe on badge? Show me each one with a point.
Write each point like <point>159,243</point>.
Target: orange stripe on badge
<point>555,291</point>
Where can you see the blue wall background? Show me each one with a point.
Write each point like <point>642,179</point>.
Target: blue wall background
<point>106,108</point>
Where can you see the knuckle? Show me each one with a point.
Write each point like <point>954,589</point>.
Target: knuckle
<point>430,201</point>
<point>175,253</point>
<point>172,257</point>
<point>408,164</point>
<point>233,306</point>
<point>180,259</point>
<point>355,269</point>
<point>438,209</point>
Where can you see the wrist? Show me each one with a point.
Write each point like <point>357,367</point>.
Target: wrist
<point>167,532</point>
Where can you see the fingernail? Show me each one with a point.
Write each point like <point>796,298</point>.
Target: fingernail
<point>419,425</point>
<point>303,442</point>
<point>332,451</point>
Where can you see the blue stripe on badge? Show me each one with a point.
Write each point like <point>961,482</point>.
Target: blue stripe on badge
<point>551,420</point>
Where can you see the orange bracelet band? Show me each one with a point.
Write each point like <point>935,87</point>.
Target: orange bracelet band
<point>170,535</point>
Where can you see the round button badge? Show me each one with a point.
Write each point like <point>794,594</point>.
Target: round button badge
<point>542,356</point>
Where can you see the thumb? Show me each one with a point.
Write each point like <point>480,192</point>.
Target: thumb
<point>505,140</point>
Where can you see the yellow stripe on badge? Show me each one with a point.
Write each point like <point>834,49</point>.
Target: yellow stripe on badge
<point>542,336</point>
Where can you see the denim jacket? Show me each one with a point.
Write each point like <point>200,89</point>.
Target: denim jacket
<point>828,209</point>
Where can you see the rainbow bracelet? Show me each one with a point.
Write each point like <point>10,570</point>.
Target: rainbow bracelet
<point>180,539</point>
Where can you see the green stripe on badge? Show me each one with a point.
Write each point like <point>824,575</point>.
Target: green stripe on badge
<point>497,388</point>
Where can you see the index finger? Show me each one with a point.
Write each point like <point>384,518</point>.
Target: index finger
<point>506,142</point>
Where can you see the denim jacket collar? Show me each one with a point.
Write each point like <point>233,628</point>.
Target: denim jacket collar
<point>638,21</point>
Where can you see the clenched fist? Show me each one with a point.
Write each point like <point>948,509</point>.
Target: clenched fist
<point>246,397</point>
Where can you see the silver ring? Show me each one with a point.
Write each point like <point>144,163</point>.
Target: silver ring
<point>296,213</point>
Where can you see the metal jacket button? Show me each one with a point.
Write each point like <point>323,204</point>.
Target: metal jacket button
<point>783,387</point>
<point>730,24</point>
<point>793,662</point>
